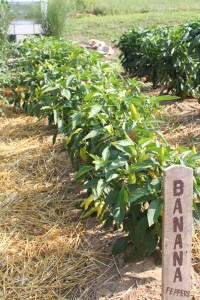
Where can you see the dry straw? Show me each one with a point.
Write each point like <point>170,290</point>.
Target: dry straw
<point>43,253</point>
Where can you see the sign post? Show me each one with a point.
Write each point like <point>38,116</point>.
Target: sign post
<point>177,233</point>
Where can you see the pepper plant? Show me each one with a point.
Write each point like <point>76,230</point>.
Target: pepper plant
<point>165,56</point>
<point>112,136</point>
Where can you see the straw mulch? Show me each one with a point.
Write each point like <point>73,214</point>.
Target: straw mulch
<point>43,251</point>
<point>182,126</point>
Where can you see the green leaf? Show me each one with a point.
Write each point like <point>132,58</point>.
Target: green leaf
<point>123,143</point>
<point>137,167</point>
<point>108,221</point>
<point>123,195</point>
<point>144,142</point>
<point>135,210</point>
<point>46,108</point>
<point>118,214</point>
<point>99,164</point>
<point>119,162</point>
<point>139,194</point>
<point>135,252</point>
<point>119,210</point>
<point>185,154</point>
<point>55,136</point>
<point>66,93</point>
<point>196,188</point>
<point>89,96</point>
<point>196,218</point>
<point>120,245</point>
<point>150,241</point>
<point>126,146</point>
<point>194,157</point>
<point>196,213</point>
<point>61,124</point>
<point>197,171</point>
<point>82,171</point>
<point>154,211</point>
<point>56,116</point>
<point>161,135</point>
<point>155,183</point>
<point>158,229</point>
<point>76,119</point>
<point>91,183</point>
<point>110,176</point>
<point>106,153</point>
<point>112,197</point>
<point>141,227</point>
<point>49,89</point>
<point>167,98</point>
<point>95,110</point>
<point>100,187</point>
<point>92,134</point>
<point>69,80</point>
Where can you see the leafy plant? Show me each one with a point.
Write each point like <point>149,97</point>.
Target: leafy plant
<point>5,20</point>
<point>53,17</point>
<point>85,5</point>
<point>112,136</point>
<point>164,56</point>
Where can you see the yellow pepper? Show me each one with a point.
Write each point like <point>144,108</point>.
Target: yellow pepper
<point>134,112</point>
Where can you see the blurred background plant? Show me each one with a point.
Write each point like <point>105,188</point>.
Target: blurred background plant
<point>85,6</point>
<point>6,17</point>
<point>53,16</point>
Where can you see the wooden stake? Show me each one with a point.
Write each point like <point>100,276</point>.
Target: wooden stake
<point>177,233</point>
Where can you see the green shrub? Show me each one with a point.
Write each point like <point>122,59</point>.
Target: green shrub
<point>165,56</point>
<point>53,17</point>
<point>112,136</point>
<point>5,20</point>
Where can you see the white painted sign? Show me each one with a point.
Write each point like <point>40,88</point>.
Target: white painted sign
<point>177,233</point>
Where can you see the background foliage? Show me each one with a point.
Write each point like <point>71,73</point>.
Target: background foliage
<point>165,56</point>
<point>5,19</point>
<point>53,17</point>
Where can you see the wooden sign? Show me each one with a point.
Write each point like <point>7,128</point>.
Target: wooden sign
<point>177,233</point>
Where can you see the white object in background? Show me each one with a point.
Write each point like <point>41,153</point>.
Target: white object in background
<point>25,22</point>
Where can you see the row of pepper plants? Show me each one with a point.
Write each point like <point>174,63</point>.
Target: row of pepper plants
<point>166,56</point>
<point>111,132</point>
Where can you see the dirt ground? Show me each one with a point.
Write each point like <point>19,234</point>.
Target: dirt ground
<point>110,278</point>
<point>141,280</point>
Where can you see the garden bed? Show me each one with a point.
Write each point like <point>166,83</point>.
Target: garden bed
<point>46,251</point>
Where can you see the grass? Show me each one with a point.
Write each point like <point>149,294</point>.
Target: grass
<point>110,18</point>
<point>141,6</point>
<point>109,28</point>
